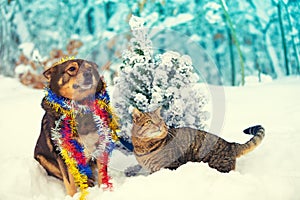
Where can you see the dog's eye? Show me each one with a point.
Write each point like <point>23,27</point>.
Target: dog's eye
<point>72,69</point>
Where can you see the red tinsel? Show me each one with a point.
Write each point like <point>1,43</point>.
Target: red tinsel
<point>103,171</point>
<point>67,132</point>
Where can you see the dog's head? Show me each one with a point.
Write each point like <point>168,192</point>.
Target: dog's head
<point>74,79</point>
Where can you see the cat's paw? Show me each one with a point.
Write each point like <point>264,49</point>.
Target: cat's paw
<point>133,170</point>
<point>253,130</point>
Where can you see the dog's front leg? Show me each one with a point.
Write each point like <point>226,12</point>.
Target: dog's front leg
<point>68,178</point>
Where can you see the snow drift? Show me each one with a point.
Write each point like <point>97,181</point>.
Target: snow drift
<point>269,172</point>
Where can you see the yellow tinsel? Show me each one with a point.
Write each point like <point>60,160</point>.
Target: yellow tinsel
<point>59,109</point>
<point>80,179</point>
<point>114,136</point>
<point>102,104</point>
<point>73,125</point>
<point>63,59</point>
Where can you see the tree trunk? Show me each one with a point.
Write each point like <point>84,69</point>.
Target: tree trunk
<point>230,43</point>
<point>293,40</point>
<point>286,62</point>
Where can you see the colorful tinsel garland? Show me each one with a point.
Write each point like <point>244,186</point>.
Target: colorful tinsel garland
<point>72,152</point>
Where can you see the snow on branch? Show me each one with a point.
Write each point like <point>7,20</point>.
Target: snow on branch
<point>148,81</point>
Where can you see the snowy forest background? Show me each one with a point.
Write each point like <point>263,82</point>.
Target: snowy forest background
<point>243,38</point>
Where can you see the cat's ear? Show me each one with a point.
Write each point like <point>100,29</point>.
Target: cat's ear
<point>157,111</point>
<point>136,114</point>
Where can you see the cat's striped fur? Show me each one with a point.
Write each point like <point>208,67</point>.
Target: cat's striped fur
<point>156,146</point>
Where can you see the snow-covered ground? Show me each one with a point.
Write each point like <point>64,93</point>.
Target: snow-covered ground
<point>272,171</point>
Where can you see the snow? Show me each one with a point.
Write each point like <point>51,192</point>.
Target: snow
<point>27,48</point>
<point>136,22</point>
<point>22,69</point>
<point>212,5</point>
<point>272,51</point>
<point>180,19</point>
<point>255,80</point>
<point>269,172</point>
<point>213,15</point>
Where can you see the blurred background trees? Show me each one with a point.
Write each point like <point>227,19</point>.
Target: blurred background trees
<point>243,38</point>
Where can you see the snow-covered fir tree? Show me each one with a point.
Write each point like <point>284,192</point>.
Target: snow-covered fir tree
<point>148,81</point>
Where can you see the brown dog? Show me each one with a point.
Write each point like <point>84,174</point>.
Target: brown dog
<point>75,80</point>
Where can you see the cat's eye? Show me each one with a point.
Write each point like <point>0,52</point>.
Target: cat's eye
<point>148,122</point>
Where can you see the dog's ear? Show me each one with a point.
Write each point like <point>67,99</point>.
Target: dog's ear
<point>101,84</point>
<point>48,73</point>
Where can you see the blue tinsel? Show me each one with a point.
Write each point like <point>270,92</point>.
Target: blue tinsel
<point>53,98</point>
<point>85,169</point>
<point>77,146</point>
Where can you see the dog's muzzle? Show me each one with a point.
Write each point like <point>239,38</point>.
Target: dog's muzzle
<point>87,82</point>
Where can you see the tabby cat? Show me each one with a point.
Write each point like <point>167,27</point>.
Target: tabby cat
<point>156,146</point>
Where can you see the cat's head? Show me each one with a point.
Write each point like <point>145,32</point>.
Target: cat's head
<point>148,126</point>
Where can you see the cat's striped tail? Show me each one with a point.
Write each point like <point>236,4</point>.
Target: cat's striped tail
<point>258,133</point>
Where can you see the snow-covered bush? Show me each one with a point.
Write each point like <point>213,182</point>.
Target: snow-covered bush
<point>148,81</point>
